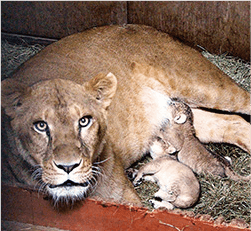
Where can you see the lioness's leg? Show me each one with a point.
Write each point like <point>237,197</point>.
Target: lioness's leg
<point>213,127</point>
<point>131,196</point>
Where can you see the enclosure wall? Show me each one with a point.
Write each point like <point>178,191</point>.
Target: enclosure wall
<point>217,26</point>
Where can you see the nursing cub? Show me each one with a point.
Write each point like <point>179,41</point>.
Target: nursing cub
<point>177,138</point>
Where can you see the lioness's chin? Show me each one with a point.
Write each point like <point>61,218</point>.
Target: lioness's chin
<point>68,193</point>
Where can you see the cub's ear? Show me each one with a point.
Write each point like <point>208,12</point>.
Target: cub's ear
<point>180,119</point>
<point>104,87</point>
<point>12,94</point>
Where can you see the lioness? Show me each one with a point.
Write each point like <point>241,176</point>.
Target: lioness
<point>67,137</point>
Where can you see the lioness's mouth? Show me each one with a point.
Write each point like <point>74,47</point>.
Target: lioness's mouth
<point>69,183</point>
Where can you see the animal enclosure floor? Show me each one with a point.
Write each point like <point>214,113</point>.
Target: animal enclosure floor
<point>17,226</point>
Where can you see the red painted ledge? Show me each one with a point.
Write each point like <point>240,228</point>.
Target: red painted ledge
<point>28,207</point>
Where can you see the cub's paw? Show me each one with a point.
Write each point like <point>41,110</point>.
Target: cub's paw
<point>161,204</point>
<point>137,181</point>
<point>229,160</point>
<point>131,173</point>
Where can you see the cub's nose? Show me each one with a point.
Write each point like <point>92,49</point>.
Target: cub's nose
<point>67,168</point>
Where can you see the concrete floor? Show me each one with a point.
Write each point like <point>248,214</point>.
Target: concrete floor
<point>17,226</point>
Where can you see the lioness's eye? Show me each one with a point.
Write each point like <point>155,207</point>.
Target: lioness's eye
<point>85,121</point>
<point>41,126</point>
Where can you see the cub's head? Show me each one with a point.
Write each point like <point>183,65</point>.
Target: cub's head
<point>171,136</point>
<point>58,129</point>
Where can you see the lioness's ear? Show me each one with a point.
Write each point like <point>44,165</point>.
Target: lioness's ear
<point>180,119</point>
<point>12,93</point>
<point>104,88</point>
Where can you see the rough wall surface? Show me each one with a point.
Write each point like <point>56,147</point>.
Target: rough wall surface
<point>217,26</point>
<point>61,18</point>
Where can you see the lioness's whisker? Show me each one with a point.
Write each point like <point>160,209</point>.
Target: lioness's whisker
<point>42,188</point>
<point>37,174</point>
<point>102,161</point>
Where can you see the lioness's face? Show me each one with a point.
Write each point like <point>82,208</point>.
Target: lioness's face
<point>60,127</point>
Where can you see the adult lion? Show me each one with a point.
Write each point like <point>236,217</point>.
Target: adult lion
<point>71,134</point>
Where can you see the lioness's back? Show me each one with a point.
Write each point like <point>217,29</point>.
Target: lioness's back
<point>110,49</point>
<point>113,48</point>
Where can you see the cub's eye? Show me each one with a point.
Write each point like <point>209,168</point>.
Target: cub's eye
<point>41,126</point>
<point>85,121</point>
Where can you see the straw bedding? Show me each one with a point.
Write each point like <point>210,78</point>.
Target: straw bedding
<point>221,199</point>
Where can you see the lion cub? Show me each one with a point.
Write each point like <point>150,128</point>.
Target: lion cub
<point>178,135</point>
<point>178,184</point>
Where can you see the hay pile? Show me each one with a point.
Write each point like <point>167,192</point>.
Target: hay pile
<point>12,56</point>
<point>224,197</point>
<point>236,68</point>
<point>219,197</point>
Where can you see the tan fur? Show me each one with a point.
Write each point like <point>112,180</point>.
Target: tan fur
<point>149,66</point>
<point>178,185</point>
<point>179,136</point>
<point>215,127</point>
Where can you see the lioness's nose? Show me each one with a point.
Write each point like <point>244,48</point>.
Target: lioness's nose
<point>67,168</point>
